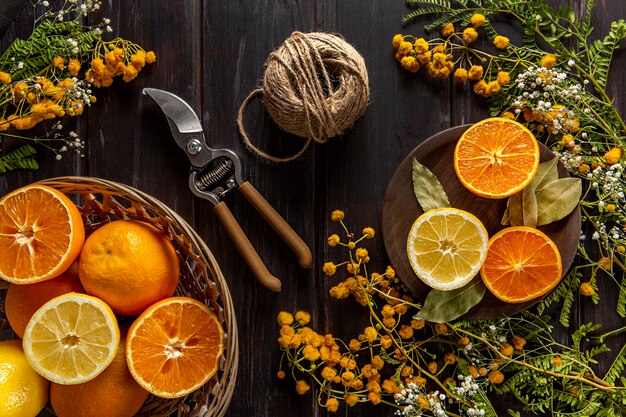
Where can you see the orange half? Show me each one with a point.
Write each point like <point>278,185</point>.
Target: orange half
<point>496,158</point>
<point>174,347</point>
<point>41,234</point>
<point>522,264</point>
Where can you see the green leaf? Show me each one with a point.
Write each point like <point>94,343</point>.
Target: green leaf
<point>506,220</point>
<point>557,199</point>
<point>522,208</point>
<point>547,172</point>
<point>530,207</point>
<point>427,188</point>
<point>621,299</point>
<point>617,367</point>
<point>601,52</point>
<point>514,210</point>
<point>583,331</point>
<point>444,306</point>
<point>21,158</point>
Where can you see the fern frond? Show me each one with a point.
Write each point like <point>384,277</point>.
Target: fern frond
<point>582,331</point>
<point>585,25</point>
<point>20,158</point>
<point>452,16</point>
<point>621,299</point>
<point>441,3</point>
<point>617,367</point>
<point>568,298</point>
<point>601,52</point>
<point>424,11</point>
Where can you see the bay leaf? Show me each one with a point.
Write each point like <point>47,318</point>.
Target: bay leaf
<point>444,306</point>
<point>557,199</point>
<point>530,208</point>
<point>505,217</point>
<point>515,209</point>
<point>427,188</point>
<point>547,172</point>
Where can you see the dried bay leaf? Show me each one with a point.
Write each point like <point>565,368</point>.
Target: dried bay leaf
<point>557,199</point>
<point>506,220</point>
<point>515,209</point>
<point>444,306</point>
<point>427,188</point>
<point>530,207</point>
<point>547,172</point>
<point>521,209</point>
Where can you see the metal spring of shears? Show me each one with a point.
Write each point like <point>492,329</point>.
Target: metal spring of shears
<point>207,180</point>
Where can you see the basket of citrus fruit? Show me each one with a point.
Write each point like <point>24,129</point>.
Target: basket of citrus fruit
<point>116,306</point>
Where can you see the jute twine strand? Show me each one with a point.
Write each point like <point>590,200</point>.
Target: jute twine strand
<point>315,86</point>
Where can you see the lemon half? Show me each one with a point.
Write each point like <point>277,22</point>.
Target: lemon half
<point>71,339</point>
<point>447,247</point>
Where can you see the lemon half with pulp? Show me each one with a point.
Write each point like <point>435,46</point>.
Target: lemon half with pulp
<point>447,247</point>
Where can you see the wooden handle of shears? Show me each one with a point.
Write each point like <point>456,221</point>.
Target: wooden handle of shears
<point>280,225</point>
<point>247,251</point>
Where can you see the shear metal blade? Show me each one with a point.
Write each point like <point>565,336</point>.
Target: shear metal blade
<point>179,114</point>
<point>184,125</point>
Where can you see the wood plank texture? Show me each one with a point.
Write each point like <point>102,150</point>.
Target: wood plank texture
<point>211,53</point>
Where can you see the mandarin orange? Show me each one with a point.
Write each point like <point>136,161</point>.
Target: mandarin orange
<point>22,301</point>
<point>113,393</point>
<point>130,265</point>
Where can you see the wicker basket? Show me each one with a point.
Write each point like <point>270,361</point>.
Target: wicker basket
<point>102,201</point>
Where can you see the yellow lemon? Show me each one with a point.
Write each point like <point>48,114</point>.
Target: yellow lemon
<point>447,247</point>
<point>72,338</point>
<point>23,392</point>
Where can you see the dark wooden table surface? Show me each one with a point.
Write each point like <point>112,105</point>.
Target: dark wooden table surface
<point>211,53</point>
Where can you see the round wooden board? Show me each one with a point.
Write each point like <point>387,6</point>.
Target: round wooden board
<point>400,210</point>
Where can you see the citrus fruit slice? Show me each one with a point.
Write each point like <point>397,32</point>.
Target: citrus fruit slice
<point>522,264</point>
<point>23,392</point>
<point>130,265</point>
<point>496,158</point>
<point>41,234</point>
<point>22,301</point>
<point>72,338</point>
<point>173,348</point>
<point>447,247</point>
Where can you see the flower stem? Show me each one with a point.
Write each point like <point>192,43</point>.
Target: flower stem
<point>597,383</point>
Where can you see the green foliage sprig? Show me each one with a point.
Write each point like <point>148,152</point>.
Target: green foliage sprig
<point>555,83</point>
<point>437,369</point>
<point>52,73</point>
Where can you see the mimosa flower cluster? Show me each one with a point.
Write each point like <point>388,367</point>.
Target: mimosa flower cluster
<point>50,77</point>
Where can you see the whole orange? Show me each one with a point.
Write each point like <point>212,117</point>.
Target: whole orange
<point>130,265</point>
<point>113,393</point>
<point>22,301</point>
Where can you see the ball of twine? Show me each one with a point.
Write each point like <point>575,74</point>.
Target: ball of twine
<point>315,86</point>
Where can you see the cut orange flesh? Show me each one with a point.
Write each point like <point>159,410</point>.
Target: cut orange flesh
<point>496,158</point>
<point>174,347</point>
<point>41,234</point>
<point>522,264</point>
